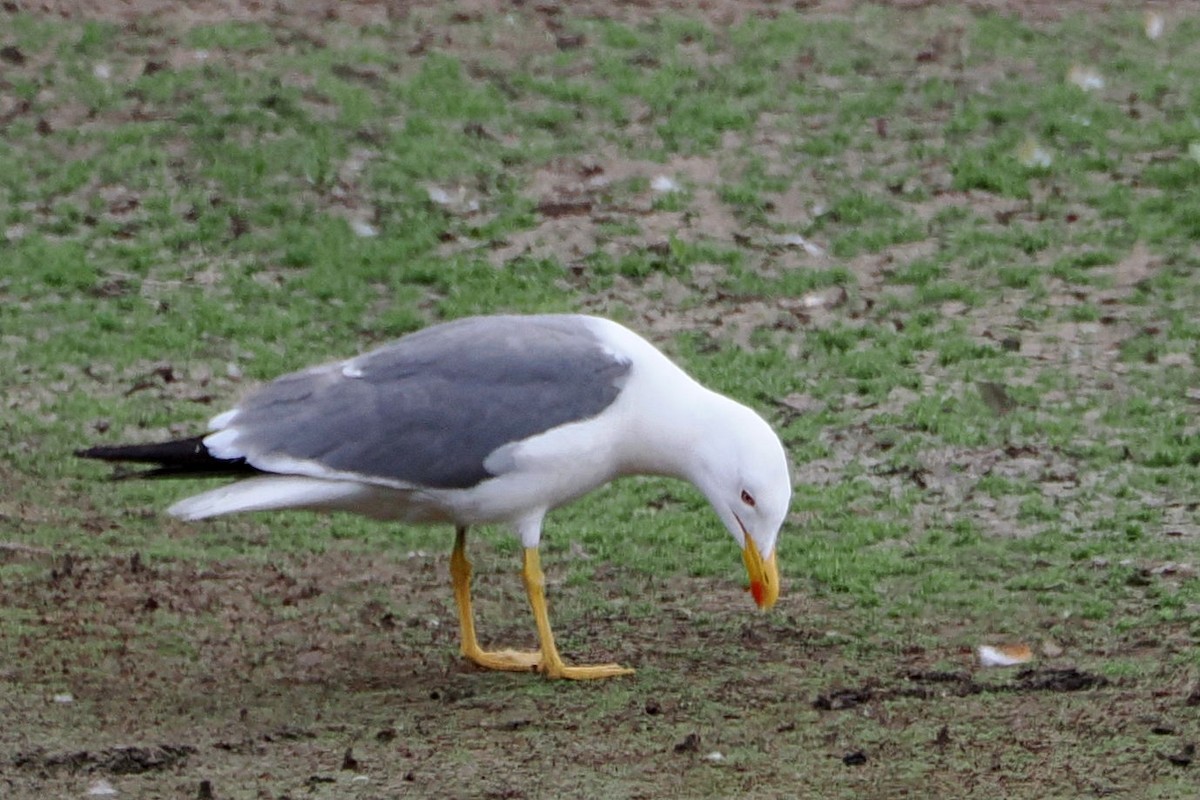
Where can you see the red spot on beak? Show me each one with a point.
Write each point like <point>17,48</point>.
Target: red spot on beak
<point>763,572</point>
<point>758,591</point>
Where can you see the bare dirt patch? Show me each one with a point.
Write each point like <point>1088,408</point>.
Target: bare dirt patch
<point>324,668</point>
<point>339,672</point>
<point>586,206</point>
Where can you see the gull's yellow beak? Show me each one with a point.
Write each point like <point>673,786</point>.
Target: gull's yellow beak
<point>764,575</point>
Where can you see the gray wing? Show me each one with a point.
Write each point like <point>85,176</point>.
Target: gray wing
<point>429,408</point>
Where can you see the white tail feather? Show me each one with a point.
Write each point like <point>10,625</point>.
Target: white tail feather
<point>269,492</point>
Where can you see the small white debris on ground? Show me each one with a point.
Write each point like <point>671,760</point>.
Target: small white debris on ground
<point>101,788</point>
<point>814,300</point>
<point>830,298</point>
<point>714,757</point>
<point>102,71</point>
<point>796,240</point>
<point>1031,154</point>
<point>1005,655</point>
<point>1154,25</point>
<point>663,184</point>
<point>364,229</point>
<point>456,202</point>
<point>1086,78</point>
<point>64,699</point>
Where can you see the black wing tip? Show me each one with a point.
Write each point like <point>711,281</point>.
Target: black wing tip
<point>177,458</point>
<point>173,451</point>
<point>101,452</point>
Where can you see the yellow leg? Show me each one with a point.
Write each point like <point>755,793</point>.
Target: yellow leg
<point>460,572</point>
<point>552,665</point>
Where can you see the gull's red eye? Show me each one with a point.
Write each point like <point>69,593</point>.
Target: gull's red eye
<point>747,498</point>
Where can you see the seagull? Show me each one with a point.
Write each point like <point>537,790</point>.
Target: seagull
<point>488,420</point>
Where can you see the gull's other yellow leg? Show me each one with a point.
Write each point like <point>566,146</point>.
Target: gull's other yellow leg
<point>552,665</point>
<point>460,572</point>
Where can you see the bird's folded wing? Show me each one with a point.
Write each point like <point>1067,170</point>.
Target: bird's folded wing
<point>427,410</point>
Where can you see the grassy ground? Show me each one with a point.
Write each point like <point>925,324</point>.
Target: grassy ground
<point>963,286</point>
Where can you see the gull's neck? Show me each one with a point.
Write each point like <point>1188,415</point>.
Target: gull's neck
<point>680,436</point>
<point>670,423</point>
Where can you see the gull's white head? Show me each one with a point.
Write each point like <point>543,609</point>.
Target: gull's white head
<point>742,469</point>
